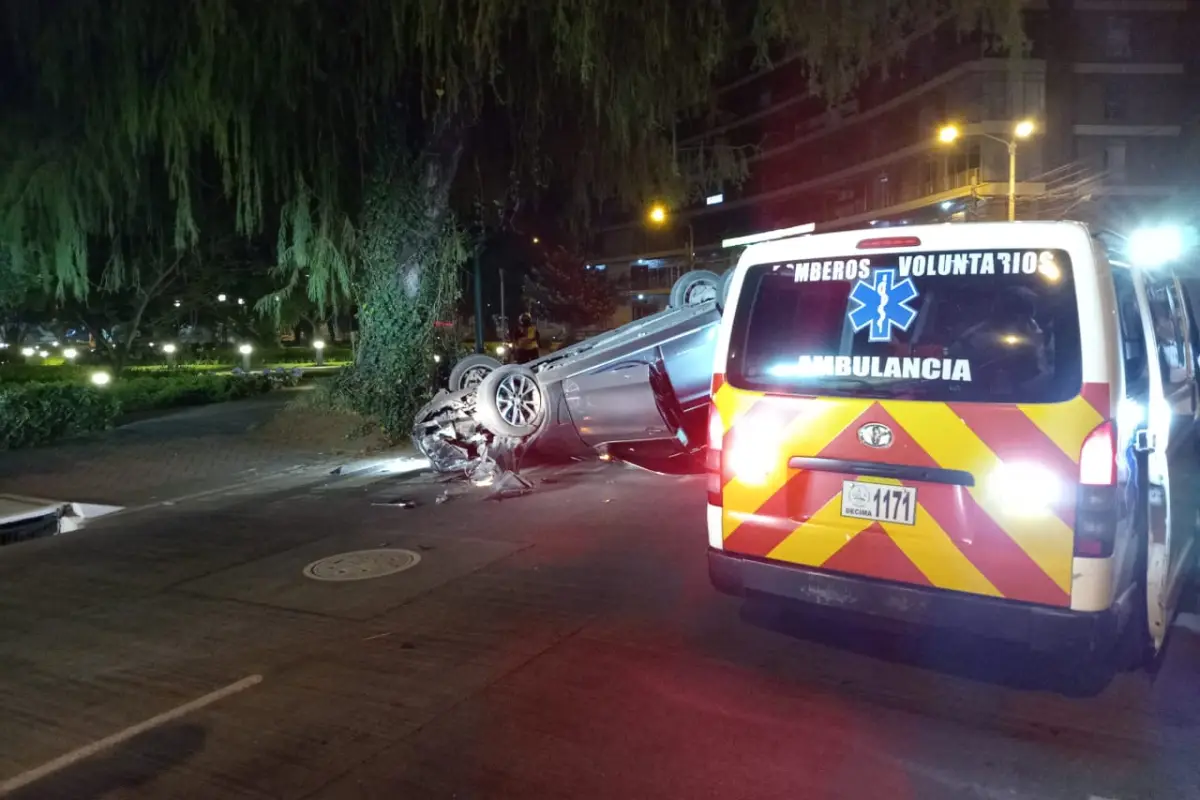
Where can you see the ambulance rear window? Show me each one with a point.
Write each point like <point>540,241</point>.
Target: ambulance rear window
<point>970,326</point>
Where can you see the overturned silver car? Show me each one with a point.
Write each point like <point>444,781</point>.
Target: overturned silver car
<point>643,387</point>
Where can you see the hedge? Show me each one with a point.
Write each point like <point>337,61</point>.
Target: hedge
<point>153,393</point>
<point>38,413</point>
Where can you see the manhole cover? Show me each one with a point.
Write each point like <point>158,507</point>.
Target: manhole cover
<point>362,565</point>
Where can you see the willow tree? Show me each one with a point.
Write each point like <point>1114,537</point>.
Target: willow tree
<point>366,133</point>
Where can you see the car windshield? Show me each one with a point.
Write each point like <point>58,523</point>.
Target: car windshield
<point>985,326</point>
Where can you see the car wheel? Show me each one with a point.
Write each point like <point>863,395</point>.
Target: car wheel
<point>470,371</point>
<point>510,402</point>
<point>694,288</point>
<point>723,292</point>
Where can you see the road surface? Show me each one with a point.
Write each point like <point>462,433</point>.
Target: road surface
<point>564,644</point>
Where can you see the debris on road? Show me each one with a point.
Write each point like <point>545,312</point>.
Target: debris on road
<point>397,503</point>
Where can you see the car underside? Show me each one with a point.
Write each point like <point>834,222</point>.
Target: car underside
<point>629,390</point>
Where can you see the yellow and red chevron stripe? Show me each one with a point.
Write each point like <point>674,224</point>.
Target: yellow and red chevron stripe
<point>963,539</point>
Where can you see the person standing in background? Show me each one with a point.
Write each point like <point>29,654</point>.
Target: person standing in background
<point>528,340</point>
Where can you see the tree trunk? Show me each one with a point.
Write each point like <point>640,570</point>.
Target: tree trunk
<point>401,237</point>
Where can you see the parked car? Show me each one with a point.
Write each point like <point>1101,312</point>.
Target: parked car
<point>642,388</point>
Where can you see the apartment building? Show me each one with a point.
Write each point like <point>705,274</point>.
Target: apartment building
<point>1111,86</point>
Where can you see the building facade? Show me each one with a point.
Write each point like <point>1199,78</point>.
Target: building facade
<point>1111,86</point>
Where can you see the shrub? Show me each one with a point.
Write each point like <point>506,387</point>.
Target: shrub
<point>38,413</point>
<point>20,372</point>
<point>151,393</point>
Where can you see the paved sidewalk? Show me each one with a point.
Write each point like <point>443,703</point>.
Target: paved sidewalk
<point>182,453</point>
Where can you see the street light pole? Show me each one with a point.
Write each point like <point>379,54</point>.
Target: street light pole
<point>503,316</point>
<point>1022,130</point>
<point>478,303</point>
<point>1012,180</point>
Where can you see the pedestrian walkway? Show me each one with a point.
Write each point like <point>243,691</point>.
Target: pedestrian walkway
<point>183,453</point>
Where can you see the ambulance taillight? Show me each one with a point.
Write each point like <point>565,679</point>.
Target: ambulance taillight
<point>1096,507</point>
<point>713,456</point>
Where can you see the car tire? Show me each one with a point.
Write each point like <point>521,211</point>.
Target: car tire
<point>510,402</point>
<point>470,371</point>
<point>689,290</point>
<point>723,290</point>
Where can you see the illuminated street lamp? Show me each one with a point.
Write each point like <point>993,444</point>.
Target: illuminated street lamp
<point>658,217</point>
<point>28,352</point>
<point>101,379</point>
<point>319,346</point>
<point>170,350</point>
<point>245,350</point>
<point>948,134</point>
<point>221,298</point>
<point>70,353</point>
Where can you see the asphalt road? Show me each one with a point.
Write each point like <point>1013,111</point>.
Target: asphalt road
<point>562,644</point>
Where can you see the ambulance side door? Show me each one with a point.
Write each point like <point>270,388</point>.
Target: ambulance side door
<point>1171,473</point>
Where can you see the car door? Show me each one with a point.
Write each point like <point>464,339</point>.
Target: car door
<point>1171,470</point>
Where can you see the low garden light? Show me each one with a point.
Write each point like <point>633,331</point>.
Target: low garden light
<point>101,379</point>
<point>437,359</point>
<point>501,350</point>
<point>70,354</point>
<point>170,350</point>
<point>43,354</point>
<point>27,352</point>
<point>319,346</point>
<point>245,350</point>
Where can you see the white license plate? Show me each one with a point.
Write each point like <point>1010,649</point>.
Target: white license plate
<point>879,502</point>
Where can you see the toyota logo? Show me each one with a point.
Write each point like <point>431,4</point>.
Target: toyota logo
<point>874,434</point>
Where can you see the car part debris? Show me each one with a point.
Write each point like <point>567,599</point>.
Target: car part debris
<point>398,503</point>
<point>509,485</point>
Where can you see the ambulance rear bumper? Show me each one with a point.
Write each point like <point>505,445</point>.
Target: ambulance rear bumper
<point>1040,627</point>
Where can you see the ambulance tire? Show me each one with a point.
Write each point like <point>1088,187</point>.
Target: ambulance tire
<point>511,402</point>
<point>690,287</point>
<point>723,291</point>
<point>470,371</point>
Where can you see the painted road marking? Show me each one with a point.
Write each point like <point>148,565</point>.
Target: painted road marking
<point>87,751</point>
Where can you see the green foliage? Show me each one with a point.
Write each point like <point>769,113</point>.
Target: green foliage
<point>407,281</point>
<point>39,413</point>
<point>274,105</point>
<point>156,393</point>
<point>340,127</point>
<point>20,372</point>
<point>562,289</point>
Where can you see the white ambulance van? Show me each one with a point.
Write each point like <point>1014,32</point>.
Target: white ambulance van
<point>982,425</point>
